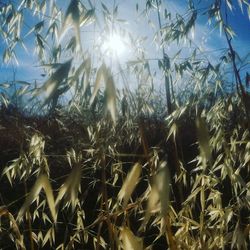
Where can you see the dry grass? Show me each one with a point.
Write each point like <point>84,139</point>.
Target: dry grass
<point>82,193</point>
<point>87,166</point>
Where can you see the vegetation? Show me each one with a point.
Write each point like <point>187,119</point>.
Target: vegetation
<point>87,164</point>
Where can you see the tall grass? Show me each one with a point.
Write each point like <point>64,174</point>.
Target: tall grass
<point>88,184</point>
<point>98,167</point>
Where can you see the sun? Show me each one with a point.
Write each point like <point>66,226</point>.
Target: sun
<point>114,45</point>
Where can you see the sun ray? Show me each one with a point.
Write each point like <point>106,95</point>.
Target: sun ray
<point>114,45</point>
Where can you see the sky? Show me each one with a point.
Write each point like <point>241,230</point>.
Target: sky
<point>209,40</point>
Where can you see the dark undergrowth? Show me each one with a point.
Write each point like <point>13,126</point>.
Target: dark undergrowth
<point>71,182</point>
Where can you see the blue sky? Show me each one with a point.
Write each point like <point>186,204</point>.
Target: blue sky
<point>204,36</point>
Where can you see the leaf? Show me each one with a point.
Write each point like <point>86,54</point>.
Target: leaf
<point>110,91</point>
<point>43,7</point>
<point>41,182</point>
<point>162,183</point>
<point>40,41</point>
<point>87,74</point>
<point>36,28</point>
<point>110,94</point>
<point>23,82</point>
<point>229,4</point>
<point>99,77</point>
<point>70,187</point>
<point>172,131</point>
<point>84,67</point>
<point>50,87</point>
<point>50,197</point>
<point>193,195</point>
<point>160,192</point>
<point>50,235</point>
<point>203,138</point>
<point>72,18</point>
<point>129,240</point>
<point>88,17</point>
<point>129,184</point>
<point>72,13</point>
<point>18,237</point>
<point>137,7</point>
<point>105,8</point>
<point>31,197</point>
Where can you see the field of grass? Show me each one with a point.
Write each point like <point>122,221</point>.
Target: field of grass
<point>97,153</point>
<point>74,180</point>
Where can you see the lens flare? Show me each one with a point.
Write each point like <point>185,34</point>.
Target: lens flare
<point>114,45</point>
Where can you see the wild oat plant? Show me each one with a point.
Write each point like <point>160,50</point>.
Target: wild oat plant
<point>88,164</point>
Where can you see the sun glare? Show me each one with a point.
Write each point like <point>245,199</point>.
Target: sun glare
<point>114,45</point>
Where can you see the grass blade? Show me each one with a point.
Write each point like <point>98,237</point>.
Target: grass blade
<point>129,184</point>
